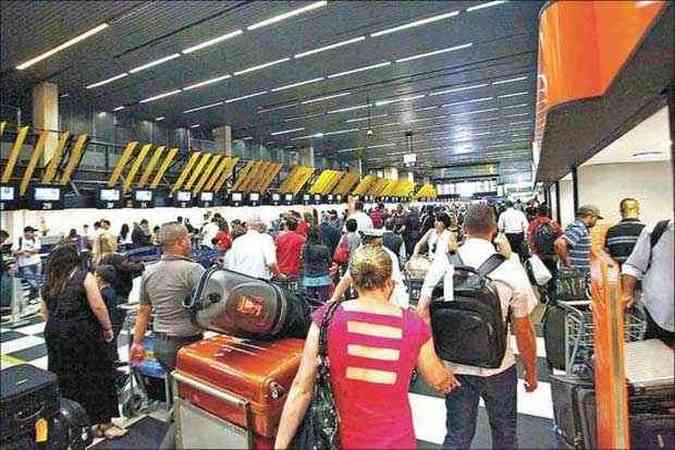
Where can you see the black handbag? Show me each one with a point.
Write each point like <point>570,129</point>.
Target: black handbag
<point>319,427</point>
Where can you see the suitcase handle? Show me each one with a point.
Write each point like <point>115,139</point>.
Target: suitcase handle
<point>30,418</point>
<point>205,388</point>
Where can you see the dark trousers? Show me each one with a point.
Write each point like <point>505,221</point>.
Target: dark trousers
<point>551,263</point>
<point>516,243</point>
<point>654,331</point>
<point>499,392</point>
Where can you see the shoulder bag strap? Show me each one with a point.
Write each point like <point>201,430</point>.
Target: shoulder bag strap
<point>491,264</point>
<point>654,238</point>
<point>323,330</point>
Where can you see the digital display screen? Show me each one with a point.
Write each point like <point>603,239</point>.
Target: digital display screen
<point>254,197</point>
<point>207,196</point>
<point>236,196</point>
<point>109,195</point>
<point>7,193</point>
<point>47,194</point>
<point>305,197</point>
<point>184,196</point>
<point>276,197</point>
<point>143,196</point>
<point>330,198</point>
<point>288,197</point>
<point>317,197</point>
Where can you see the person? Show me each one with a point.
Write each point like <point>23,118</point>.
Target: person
<point>74,238</point>
<point>6,285</point>
<point>289,249</point>
<point>377,216</point>
<point>352,238</point>
<point>105,277</point>
<point>77,334</point>
<point>373,347</point>
<point>87,237</point>
<point>165,286</point>
<point>410,231</point>
<point>514,225</point>
<point>621,238</point>
<point>138,238</point>
<point>497,387</point>
<point>438,237</point>
<point>363,221</point>
<point>254,253</point>
<point>393,241</point>
<point>652,262</point>
<point>210,231</point>
<point>28,260</point>
<point>107,244</point>
<point>574,246</point>
<point>316,262</point>
<point>542,240</point>
<point>223,238</point>
<point>330,231</point>
<point>304,224</point>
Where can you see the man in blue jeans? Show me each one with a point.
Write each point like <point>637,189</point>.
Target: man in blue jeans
<point>28,260</point>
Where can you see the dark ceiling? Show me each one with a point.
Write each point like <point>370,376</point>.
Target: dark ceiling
<point>491,120</point>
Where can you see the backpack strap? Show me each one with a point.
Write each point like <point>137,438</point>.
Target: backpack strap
<point>654,238</point>
<point>491,264</point>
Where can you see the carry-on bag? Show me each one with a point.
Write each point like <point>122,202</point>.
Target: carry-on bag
<point>574,411</point>
<point>571,284</point>
<point>29,399</point>
<point>70,428</point>
<point>553,325</point>
<point>233,386</point>
<point>239,305</point>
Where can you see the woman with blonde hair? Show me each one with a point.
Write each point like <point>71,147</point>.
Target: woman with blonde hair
<point>373,347</point>
<point>106,245</point>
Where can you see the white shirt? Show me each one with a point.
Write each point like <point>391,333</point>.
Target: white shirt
<point>438,244</point>
<point>513,287</point>
<point>513,221</point>
<point>252,254</point>
<point>26,244</point>
<point>400,295</point>
<point>363,221</point>
<point>210,231</point>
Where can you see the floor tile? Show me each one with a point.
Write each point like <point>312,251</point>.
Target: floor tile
<point>10,335</point>
<point>20,344</point>
<point>32,353</point>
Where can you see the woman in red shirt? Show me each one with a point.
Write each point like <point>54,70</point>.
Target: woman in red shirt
<point>223,238</point>
<point>373,347</point>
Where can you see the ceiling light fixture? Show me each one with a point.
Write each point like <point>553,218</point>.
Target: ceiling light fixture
<point>427,108</point>
<point>157,97</point>
<point>301,83</point>
<point>426,119</point>
<point>159,119</point>
<point>309,136</point>
<point>207,82</point>
<point>417,23</point>
<point>247,138</point>
<point>109,80</point>
<point>485,5</point>
<point>280,17</point>
<point>277,108</point>
<point>518,115</point>
<point>262,66</point>
<point>351,108</point>
<point>278,133</point>
<point>326,97</point>
<point>291,119</point>
<point>199,108</point>
<point>232,100</point>
<point>475,100</point>
<point>433,53</point>
<point>521,105</point>
<point>475,112</point>
<point>396,100</point>
<point>510,80</point>
<point>154,63</point>
<point>195,126</point>
<point>212,42</point>
<point>119,108</point>
<point>514,94</point>
<point>520,123</point>
<point>459,89</point>
<point>360,69</point>
<point>360,119</point>
<point>65,45</point>
<point>344,150</point>
<point>330,47</point>
<point>331,133</point>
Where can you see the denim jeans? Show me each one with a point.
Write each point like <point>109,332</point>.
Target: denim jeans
<point>499,392</point>
<point>32,276</point>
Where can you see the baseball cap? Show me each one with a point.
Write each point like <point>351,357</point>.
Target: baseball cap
<point>589,210</point>
<point>29,229</point>
<point>372,232</point>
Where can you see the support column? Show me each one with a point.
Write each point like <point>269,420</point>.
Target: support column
<point>557,201</point>
<point>223,137</point>
<point>46,115</point>
<point>575,189</point>
<point>307,156</point>
<point>391,173</point>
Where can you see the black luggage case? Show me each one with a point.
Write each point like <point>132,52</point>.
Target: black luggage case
<point>574,411</point>
<point>27,394</point>
<point>70,428</point>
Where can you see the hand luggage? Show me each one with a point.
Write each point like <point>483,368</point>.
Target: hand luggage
<point>70,428</point>
<point>553,325</point>
<point>574,411</point>
<point>571,284</point>
<point>234,386</point>
<point>29,397</point>
<point>235,304</point>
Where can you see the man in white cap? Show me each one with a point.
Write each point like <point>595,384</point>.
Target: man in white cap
<point>253,253</point>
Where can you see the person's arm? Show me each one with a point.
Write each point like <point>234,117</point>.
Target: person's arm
<point>436,272</point>
<point>562,251</point>
<point>421,242</point>
<point>527,349</point>
<point>500,223</point>
<point>98,306</point>
<point>628,283</point>
<point>635,266</point>
<point>300,394</point>
<point>44,312</point>
<point>432,370</point>
<point>341,287</point>
<point>270,253</point>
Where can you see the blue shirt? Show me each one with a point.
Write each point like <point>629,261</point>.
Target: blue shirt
<point>579,242</point>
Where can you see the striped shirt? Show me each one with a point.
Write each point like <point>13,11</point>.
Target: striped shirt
<point>621,238</point>
<point>579,240</point>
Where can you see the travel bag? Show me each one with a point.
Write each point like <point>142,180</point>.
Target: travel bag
<point>232,303</point>
<point>553,325</point>
<point>574,411</point>
<point>234,386</point>
<point>70,429</point>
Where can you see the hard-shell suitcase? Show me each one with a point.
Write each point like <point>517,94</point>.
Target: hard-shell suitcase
<point>70,428</point>
<point>574,411</point>
<point>242,382</point>
<point>238,305</point>
<point>27,395</point>
<point>554,336</point>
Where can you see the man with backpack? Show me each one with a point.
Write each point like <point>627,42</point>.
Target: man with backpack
<point>461,329</point>
<point>541,236</point>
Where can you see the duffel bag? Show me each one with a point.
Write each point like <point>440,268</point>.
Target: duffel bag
<point>70,427</point>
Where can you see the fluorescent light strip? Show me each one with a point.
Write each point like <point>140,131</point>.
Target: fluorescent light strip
<point>309,136</point>
<point>212,42</point>
<point>475,112</point>
<point>109,80</point>
<point>426,119</point>
<point>514,94</point>
<point>157,97</point>
<point>359,119</point>
<point>360,69</point>
<point>330,47</point>
<point>485,5</point>
<point>247,138</point>
<point>291,119</point>
<point>475,100</point>
<point>351,108</point>
<point>154,63</point>
<point>119,108</point>
<point>65,45</point>
<point>199,108</point>
<point>344,150</point>
<point>460,89</point>
<point>280,17</point>
<point>417,23</point>
<point>301,83</point>
<point>195,126</point>
<point>262,66</point>
<point>518,115</point>
<point>277,108</point>
<point>207,82</point>
<point>331,133</point>
<point>326,97</point>
<point>521,105</point>
<point>435,52</point>
<point>232,100</point>
<point>381,146</point>
<point>159,119</point>
<point>520,123</point>
<point>511,80</point>
<point>278,133</point>
<point>396,100</point>
<point>426,109</point>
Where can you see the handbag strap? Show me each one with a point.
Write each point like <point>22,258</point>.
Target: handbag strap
<point>323,330</point>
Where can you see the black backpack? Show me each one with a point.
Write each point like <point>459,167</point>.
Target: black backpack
<point>544,239</point>
<point>470,329</point>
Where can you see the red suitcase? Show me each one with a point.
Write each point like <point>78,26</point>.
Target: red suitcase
<point>242,382</point>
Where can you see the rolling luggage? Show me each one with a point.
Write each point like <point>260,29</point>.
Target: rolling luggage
<point>574,411</point>
<point>235,304</point>
<point>553,325</point>
<point>235,388</point>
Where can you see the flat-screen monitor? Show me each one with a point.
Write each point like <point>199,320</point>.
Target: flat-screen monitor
<point>288,197</point>
<point>7,193</point>
<point>276,197</point>
<point>143,196</point>
<point>254,197</point>
<point>206,196</point>
<point>236,196</point>
<point>317,197</point>
<point>305,197</point>
<point>109,195</point>
<point>184,196</point>
<point>330,197</point>
<point>47,194</point>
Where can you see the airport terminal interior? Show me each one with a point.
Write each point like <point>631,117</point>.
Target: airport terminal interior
<point>337,224</point>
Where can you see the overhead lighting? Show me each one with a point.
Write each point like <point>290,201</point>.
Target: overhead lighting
<point>521,105</point>
<point>109,80</point>
<point>326,97</point>
<point>331,133</point>
<point>426,119</point>
<point>475,100</point>
<point>485,5</point>
<point>510,80</point>
<point>64,95</point>
<point>195,126</point>
<point>514,94</point>
<point>155,63</point>
<point>212,41</point>
<point>301,83</point>
<point>119,108</point>
<point>207,82</point>
<point>232,100</point>
<point>278,133</point>
<point>199,108</point>
<point>330,47</point>
<point>459,89</point>
<point>382,145</point>
<point>280,17</point>
<point>65,45</point>
<point>396,100</point>
<point>291,119</point>
<point>518,115</point>
<point>159,119</point>
<point>646,154</point>
<point>427,108</point>
<point>344,150</point>
<point>359,119</point>
<point>475,112</point>
<point>351,108</point>
<point>157,97</point>
<point>277,108</point>
<point>309,136</point>
<point>262,66</point>
<point>247,138</point>
<point>435,52</point>
<point>417,23</point>
<point>521,122</point>
<point>360,69</point>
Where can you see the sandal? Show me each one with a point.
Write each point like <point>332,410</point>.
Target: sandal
<point>98,431</point>
<point>113,432</point>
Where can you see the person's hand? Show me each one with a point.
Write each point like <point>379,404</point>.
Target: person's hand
<point>136,354</point>
<point>108,335</point>
<point>627,299</point>
<point>531,380</point>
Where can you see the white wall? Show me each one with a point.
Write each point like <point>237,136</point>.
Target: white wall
<point>566,202</point>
